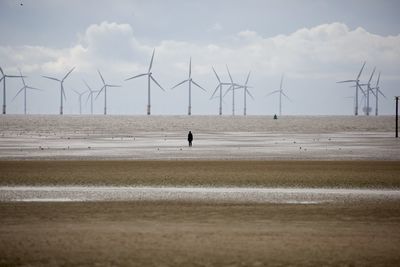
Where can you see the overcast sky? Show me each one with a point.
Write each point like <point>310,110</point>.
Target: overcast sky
<point>314,43</point>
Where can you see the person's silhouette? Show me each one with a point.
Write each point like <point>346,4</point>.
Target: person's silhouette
<point>190,138</point>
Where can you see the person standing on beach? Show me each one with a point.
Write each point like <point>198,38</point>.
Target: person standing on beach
<point>190,138</point>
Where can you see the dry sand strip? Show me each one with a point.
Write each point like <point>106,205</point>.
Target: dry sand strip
<point>164,233</point>
<point>309,174</point>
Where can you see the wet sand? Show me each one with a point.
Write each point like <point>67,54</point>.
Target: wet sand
<point>164,138</point>
<point>149,233</point>
<point>313,174</point>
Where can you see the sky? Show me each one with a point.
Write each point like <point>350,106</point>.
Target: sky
<point>312,43</point>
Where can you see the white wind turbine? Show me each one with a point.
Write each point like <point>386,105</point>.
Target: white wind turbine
<point>368,90</point>
<point>149,77</point>
<point>233,87</point>
<point>62,91</point>
<point>105,91</point>
<point>219,86</point>
<point>24,88</point>
<point>4,77</point>
<point>245,93</point>
<point>280,91</point>
<point>90,95</point>
<point>357,86</point>
<point>80,94</point>
<point>190,81</point>
<point>377,92</point>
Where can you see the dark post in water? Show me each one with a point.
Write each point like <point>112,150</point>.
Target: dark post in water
<point>397,116</point>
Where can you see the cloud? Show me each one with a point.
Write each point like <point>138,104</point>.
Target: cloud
<point>324,50</point>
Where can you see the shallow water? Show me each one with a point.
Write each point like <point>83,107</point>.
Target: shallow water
<point>217,194</point>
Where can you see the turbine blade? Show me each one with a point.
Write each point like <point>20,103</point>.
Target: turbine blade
<point>179,84</point>
<point>273,92</point>
<point>20,90</point>
<point>136,76</point>
<point>22,78</point>
<point>362,90</point>
<point>199,86</point>
<point>151,61</point>
<point>381,93</point>
<point>216,75</point>
<point>88,87</point>
<point>247,80</point>
<point>377,81</point>
<point>347,81</point>
<point>372,74</point>
<point>2,72</point>
<point>248,92</point>
<point>34,88</point>
<point>69,72</point>
<point>51,78</point>
<point>214,91</point>
<point>101,77</point>
<point>286,96</point>
<point>15,76</point>
<point>226,92</point>
<point>154,80</point>
<point>113,85</point>
<point>229,73</point>
<point>100,91</point>
<point>280,87</point>
<point>359,74</point>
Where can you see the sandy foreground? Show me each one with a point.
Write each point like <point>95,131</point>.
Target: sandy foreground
<point>164,137</point>
<point>300,191</point>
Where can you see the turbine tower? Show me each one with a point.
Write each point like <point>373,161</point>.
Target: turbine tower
<point>280,91</point>
<point>149,77</point>
<point>105,85</point>
<point>357,86</point>
<point>3,77</point>
<point>219,86</point>
<point>245,93</point>
<point>190,81</point>
<point>80,100</point>
<point>62,92</point>
<point>24,88</point>
<point>90,95</point>
<point>233,87</point>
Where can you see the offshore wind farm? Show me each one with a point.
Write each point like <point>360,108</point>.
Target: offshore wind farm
<point>199,133</point>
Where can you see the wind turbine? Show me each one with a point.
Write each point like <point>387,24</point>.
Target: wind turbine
<point>369,89</point>
<point>3,77</point>
<point>24,89</point>
<point>219,86</point>
<point>80,99</point>
<point>280,91</point>
<point>377,92</point>
<point>149,77</point>
<point>190,81</point>
<point>245,93</point>
<point>233,87</point>
<point>62,92</point>
<point>90,95</point>
<point>105,91</point>
<point>357,86</point>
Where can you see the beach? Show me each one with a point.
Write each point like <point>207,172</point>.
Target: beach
<point>128,191</point>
